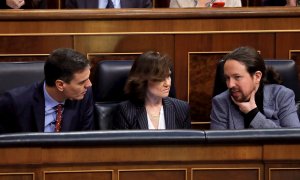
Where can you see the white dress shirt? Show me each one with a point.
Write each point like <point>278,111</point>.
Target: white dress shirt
<point>161,122</point>
<point>103,3</point>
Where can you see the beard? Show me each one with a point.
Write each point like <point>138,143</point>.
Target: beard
<point>238,96</point>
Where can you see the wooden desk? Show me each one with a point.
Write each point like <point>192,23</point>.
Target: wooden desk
<point>133,155</point>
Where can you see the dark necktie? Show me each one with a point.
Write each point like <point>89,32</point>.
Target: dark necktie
<point>110,4</point>
<point>58,117</point>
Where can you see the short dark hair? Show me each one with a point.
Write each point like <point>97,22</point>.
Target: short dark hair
<point>62,64</point>
<point>253,62</point>
<point>150,66</point>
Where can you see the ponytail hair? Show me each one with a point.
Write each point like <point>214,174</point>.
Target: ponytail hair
<point>272,76</point>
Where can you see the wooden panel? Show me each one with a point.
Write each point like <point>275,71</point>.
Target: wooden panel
<point>84,174</point>
<point>125,44</point>
<point>288,47</point>
<point>162,20</point>
<point>152,154</point>
<point>184,44</point>
<point>17,176</point>
<point>286,42</point>
<point>22,57</point>
<point>226,174</point>
<point>202,70</point>
<point>284,152</point>
<point>152,174</point>
<point>284,173</point>
<point>33,44</point>
<point>20,155</point>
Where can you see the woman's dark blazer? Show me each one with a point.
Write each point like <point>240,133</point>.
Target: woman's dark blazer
<point>134,116</point>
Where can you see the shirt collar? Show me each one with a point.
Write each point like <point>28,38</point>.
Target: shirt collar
<point>49,101</point>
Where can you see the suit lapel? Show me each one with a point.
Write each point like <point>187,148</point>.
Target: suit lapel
<point>268,102</point>
<point>169,114</point>
<point>123,4</point>
<point>141,117</point>
<point>91,3</point>
<point>237,118</point>
<point>39,107</point>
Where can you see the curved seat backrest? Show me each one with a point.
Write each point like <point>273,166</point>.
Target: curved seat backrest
<point>16,74</point>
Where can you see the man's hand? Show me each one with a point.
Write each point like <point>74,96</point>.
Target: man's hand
<point>15,4</point>
<point>246,107</point>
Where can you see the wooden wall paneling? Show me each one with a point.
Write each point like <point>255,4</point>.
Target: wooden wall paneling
<point>288,47</point>
<point>125,44</point>
<point>282,170</point>
<point>33,44</point>
<point>152,154</point>
<point>202,70</point>
<point>152,174</point>
<point>22,57</point>
<point>285,42</point>
<point>287,152</point>
<point>79,174</point>
<point>284,173</point>
<point>240,173</point>
<point>17,175</point>
<point>25,155</point>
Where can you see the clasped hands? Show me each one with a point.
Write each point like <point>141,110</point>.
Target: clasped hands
<point>15,4</point>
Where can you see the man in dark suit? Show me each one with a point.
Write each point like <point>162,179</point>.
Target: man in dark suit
<point>96,4</point>
<point>32,108</point>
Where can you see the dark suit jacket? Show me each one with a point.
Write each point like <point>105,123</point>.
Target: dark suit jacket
<point>42,4</point>
<point>134,116</point>
<point>94,3</point>
<point>274,3</point>
<point>23,110</point>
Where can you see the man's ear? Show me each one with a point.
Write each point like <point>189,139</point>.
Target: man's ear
<point>258,76</point>
<point>59,85</point>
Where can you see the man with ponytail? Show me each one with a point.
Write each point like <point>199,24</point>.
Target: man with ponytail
<point>254,98</point>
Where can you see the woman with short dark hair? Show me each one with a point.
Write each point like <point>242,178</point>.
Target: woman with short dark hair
<point>149,106</point>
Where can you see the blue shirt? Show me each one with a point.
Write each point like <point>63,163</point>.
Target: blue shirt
<point>103,3</point>
<point>50,114</point>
